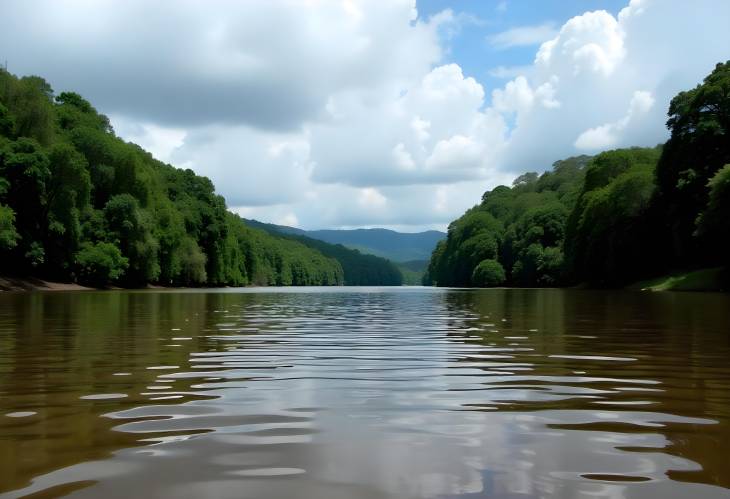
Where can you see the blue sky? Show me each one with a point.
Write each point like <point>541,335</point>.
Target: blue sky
<point>470,46</point>
<point>364,113</point>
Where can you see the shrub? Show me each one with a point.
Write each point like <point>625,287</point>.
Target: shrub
<point>100,263</point>
<point>488,273</point>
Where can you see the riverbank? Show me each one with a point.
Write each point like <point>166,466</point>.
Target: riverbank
<point>697,280</point>
<point>33,284</point>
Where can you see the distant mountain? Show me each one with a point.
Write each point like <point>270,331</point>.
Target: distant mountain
<point>396,246</point>
<point>359,269</point>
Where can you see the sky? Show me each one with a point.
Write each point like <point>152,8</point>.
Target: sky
<point>370,113</point>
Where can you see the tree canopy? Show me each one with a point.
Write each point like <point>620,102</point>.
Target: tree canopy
<point>618,217</point>
<point>78,203</point>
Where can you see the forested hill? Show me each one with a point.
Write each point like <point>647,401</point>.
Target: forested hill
<point>610,220</point>
<point>79,204</point>
<point>359,269</point>
<point>390,244</point>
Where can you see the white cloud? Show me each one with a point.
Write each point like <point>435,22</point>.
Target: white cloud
<point>158,140</point>
<point>353,117</point>
<point>505,72</point>
<point>269,64</point>
<point>523,36</point>
<point>515,96</point>
<point>403,158</point>
<point>370,198</point>
<point>433,131</point>
<point>608,135</point>
<point>599,65</point>
<point>593,42</point>
<point>288,219</point>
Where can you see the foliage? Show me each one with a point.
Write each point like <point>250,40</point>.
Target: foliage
<point>100,263</point>
<point>358,269</point>
<point>622,216</point>
<point>699,146</point>
<point>521,227</point>
<point>488,273</point>
<point>713,225</point>
<point>612,237</point>
<point>79,203</point>
<point>8,234</point>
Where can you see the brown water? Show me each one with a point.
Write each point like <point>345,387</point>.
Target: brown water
<point>365,393</point>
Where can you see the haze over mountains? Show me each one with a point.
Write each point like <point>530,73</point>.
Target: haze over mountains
<point>395,246</point>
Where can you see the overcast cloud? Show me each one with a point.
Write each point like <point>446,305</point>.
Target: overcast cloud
<point>350,113</point>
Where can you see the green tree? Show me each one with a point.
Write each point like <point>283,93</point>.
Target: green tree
<point>8,234</point>
<point>100,263</point>
<point>699,122</point>
<point>613,236</point>
<point>25,168</point>
<point>192,263</point>
<point>713,225</point>
<point>130,228</point>
<point>488,273</point>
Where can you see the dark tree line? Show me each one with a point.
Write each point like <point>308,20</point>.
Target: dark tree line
<point>609,220</point>
<point>77,203</point>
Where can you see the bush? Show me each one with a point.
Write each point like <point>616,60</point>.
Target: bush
<point>8,234</point>
<point>487,274</point>
<point>100,263</point>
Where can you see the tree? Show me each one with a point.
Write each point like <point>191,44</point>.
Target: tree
<point>192,263</point>
<point>25,168</point>
<point>77,202</point>
<point>7,123</point>
<point>130,227</point>
<point>67,193</point>
<point>100,263</point>
<point>713,225</point>
<point>8,234</point>
<point>487,274</point>
<point>613,236</point>
<point>699,145</point>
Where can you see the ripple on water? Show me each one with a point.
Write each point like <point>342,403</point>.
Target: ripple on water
<point>268,472</point>
<point>21,414</point>
<point>103,396</point>
<point>393,394</point>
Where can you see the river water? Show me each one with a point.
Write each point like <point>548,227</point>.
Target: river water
<point>365,393</point>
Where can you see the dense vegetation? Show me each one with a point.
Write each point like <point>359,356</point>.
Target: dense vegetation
<point>359,269</point>
<point>395,246</point>
<point>79,204</point>
<point>413,271</point>
<point>610,220</point>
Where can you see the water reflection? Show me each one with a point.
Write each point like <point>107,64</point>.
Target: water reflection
<point>366,393</point>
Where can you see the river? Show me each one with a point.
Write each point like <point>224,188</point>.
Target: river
<point>365,393</point>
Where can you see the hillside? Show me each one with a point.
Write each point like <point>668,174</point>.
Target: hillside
<point>622,216</point>
<point>390,244</point>
<point>79,204</point>
<point>359,269</point>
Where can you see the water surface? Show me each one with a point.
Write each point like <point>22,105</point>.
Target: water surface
<point>365,393</point>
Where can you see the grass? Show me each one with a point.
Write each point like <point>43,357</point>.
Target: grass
<point>697,280</point>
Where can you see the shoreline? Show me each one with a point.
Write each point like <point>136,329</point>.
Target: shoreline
<point>9,284</point>
<point>712,279</point>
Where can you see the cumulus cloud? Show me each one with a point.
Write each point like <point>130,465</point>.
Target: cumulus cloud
<point>267,64</point>
<point>434,131</point>
<point>328,113</point>
<point>608,135</point>
<point>599,65</point>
